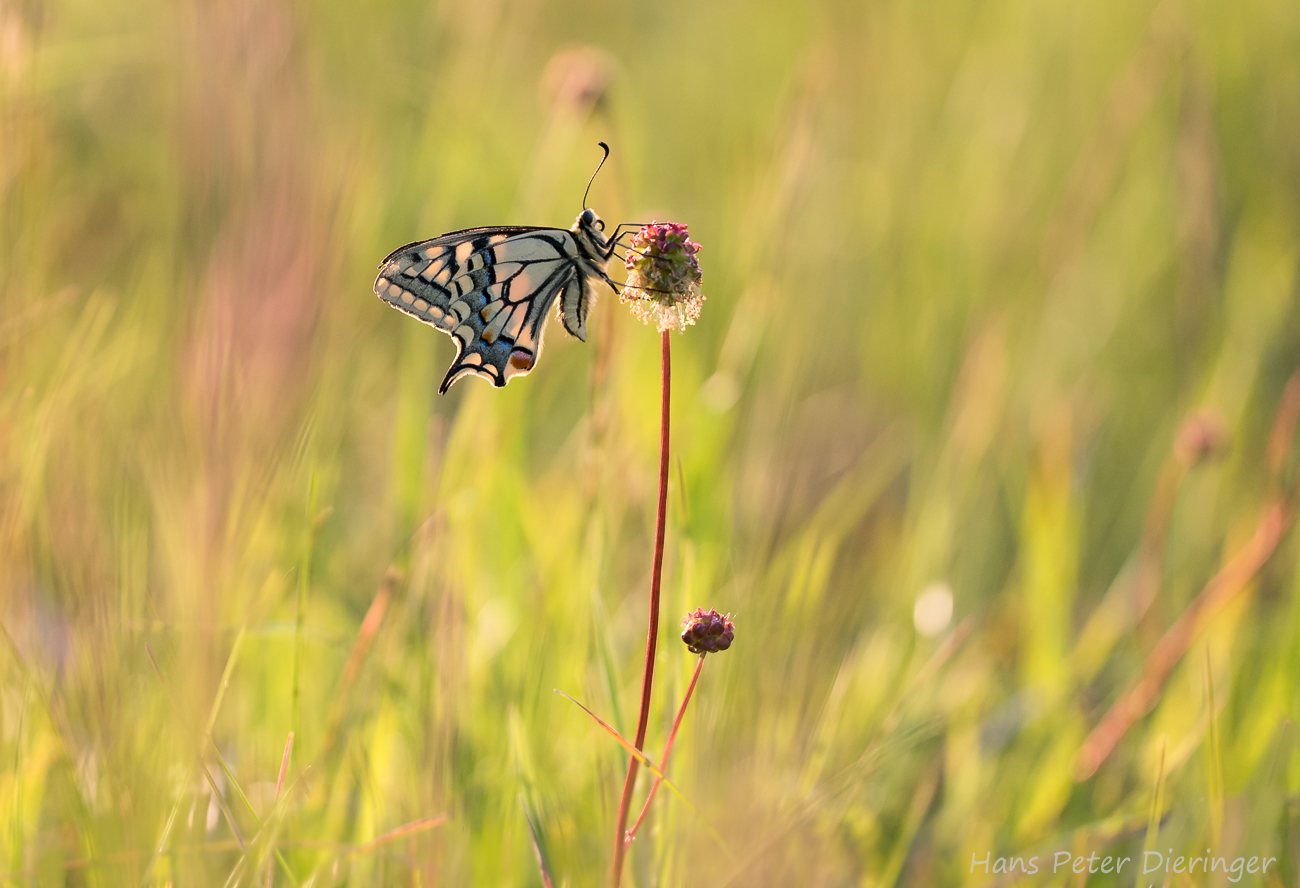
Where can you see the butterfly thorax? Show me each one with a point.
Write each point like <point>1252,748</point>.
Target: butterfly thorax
<point>593,246</point>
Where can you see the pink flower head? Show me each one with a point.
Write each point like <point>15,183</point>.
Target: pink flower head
<point>663,276</point>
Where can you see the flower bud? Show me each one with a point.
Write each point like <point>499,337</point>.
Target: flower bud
<point>707,632</point>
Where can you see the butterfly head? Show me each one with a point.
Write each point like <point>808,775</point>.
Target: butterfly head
<point>590,228</point>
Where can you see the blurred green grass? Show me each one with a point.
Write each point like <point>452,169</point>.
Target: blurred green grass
<point>970,270</point>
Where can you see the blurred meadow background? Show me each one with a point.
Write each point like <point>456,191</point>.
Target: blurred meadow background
<point>985,436</point>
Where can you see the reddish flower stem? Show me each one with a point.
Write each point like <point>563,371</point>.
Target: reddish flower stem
<point>652,632</point>
<point>668,749</point>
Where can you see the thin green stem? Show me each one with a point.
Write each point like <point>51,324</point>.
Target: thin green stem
<point>652,632</point>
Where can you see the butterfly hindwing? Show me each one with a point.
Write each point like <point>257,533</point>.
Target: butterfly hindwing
<point>490,289</point>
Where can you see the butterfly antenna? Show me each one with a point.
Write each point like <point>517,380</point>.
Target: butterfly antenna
<point>593,175</point>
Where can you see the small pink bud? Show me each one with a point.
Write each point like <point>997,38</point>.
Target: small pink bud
<point>707,632</point>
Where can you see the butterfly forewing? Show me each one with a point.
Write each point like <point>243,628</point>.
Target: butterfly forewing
<point>490,290</point>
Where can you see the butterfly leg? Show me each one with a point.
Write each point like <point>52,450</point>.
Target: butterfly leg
<point>622,225</point>
<point>613,284</point>
<point>620,232</point>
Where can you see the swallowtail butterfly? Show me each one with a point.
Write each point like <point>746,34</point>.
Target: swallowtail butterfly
<point>491,289</point>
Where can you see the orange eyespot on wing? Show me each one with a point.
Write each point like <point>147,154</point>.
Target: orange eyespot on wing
<point>521,361</point>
